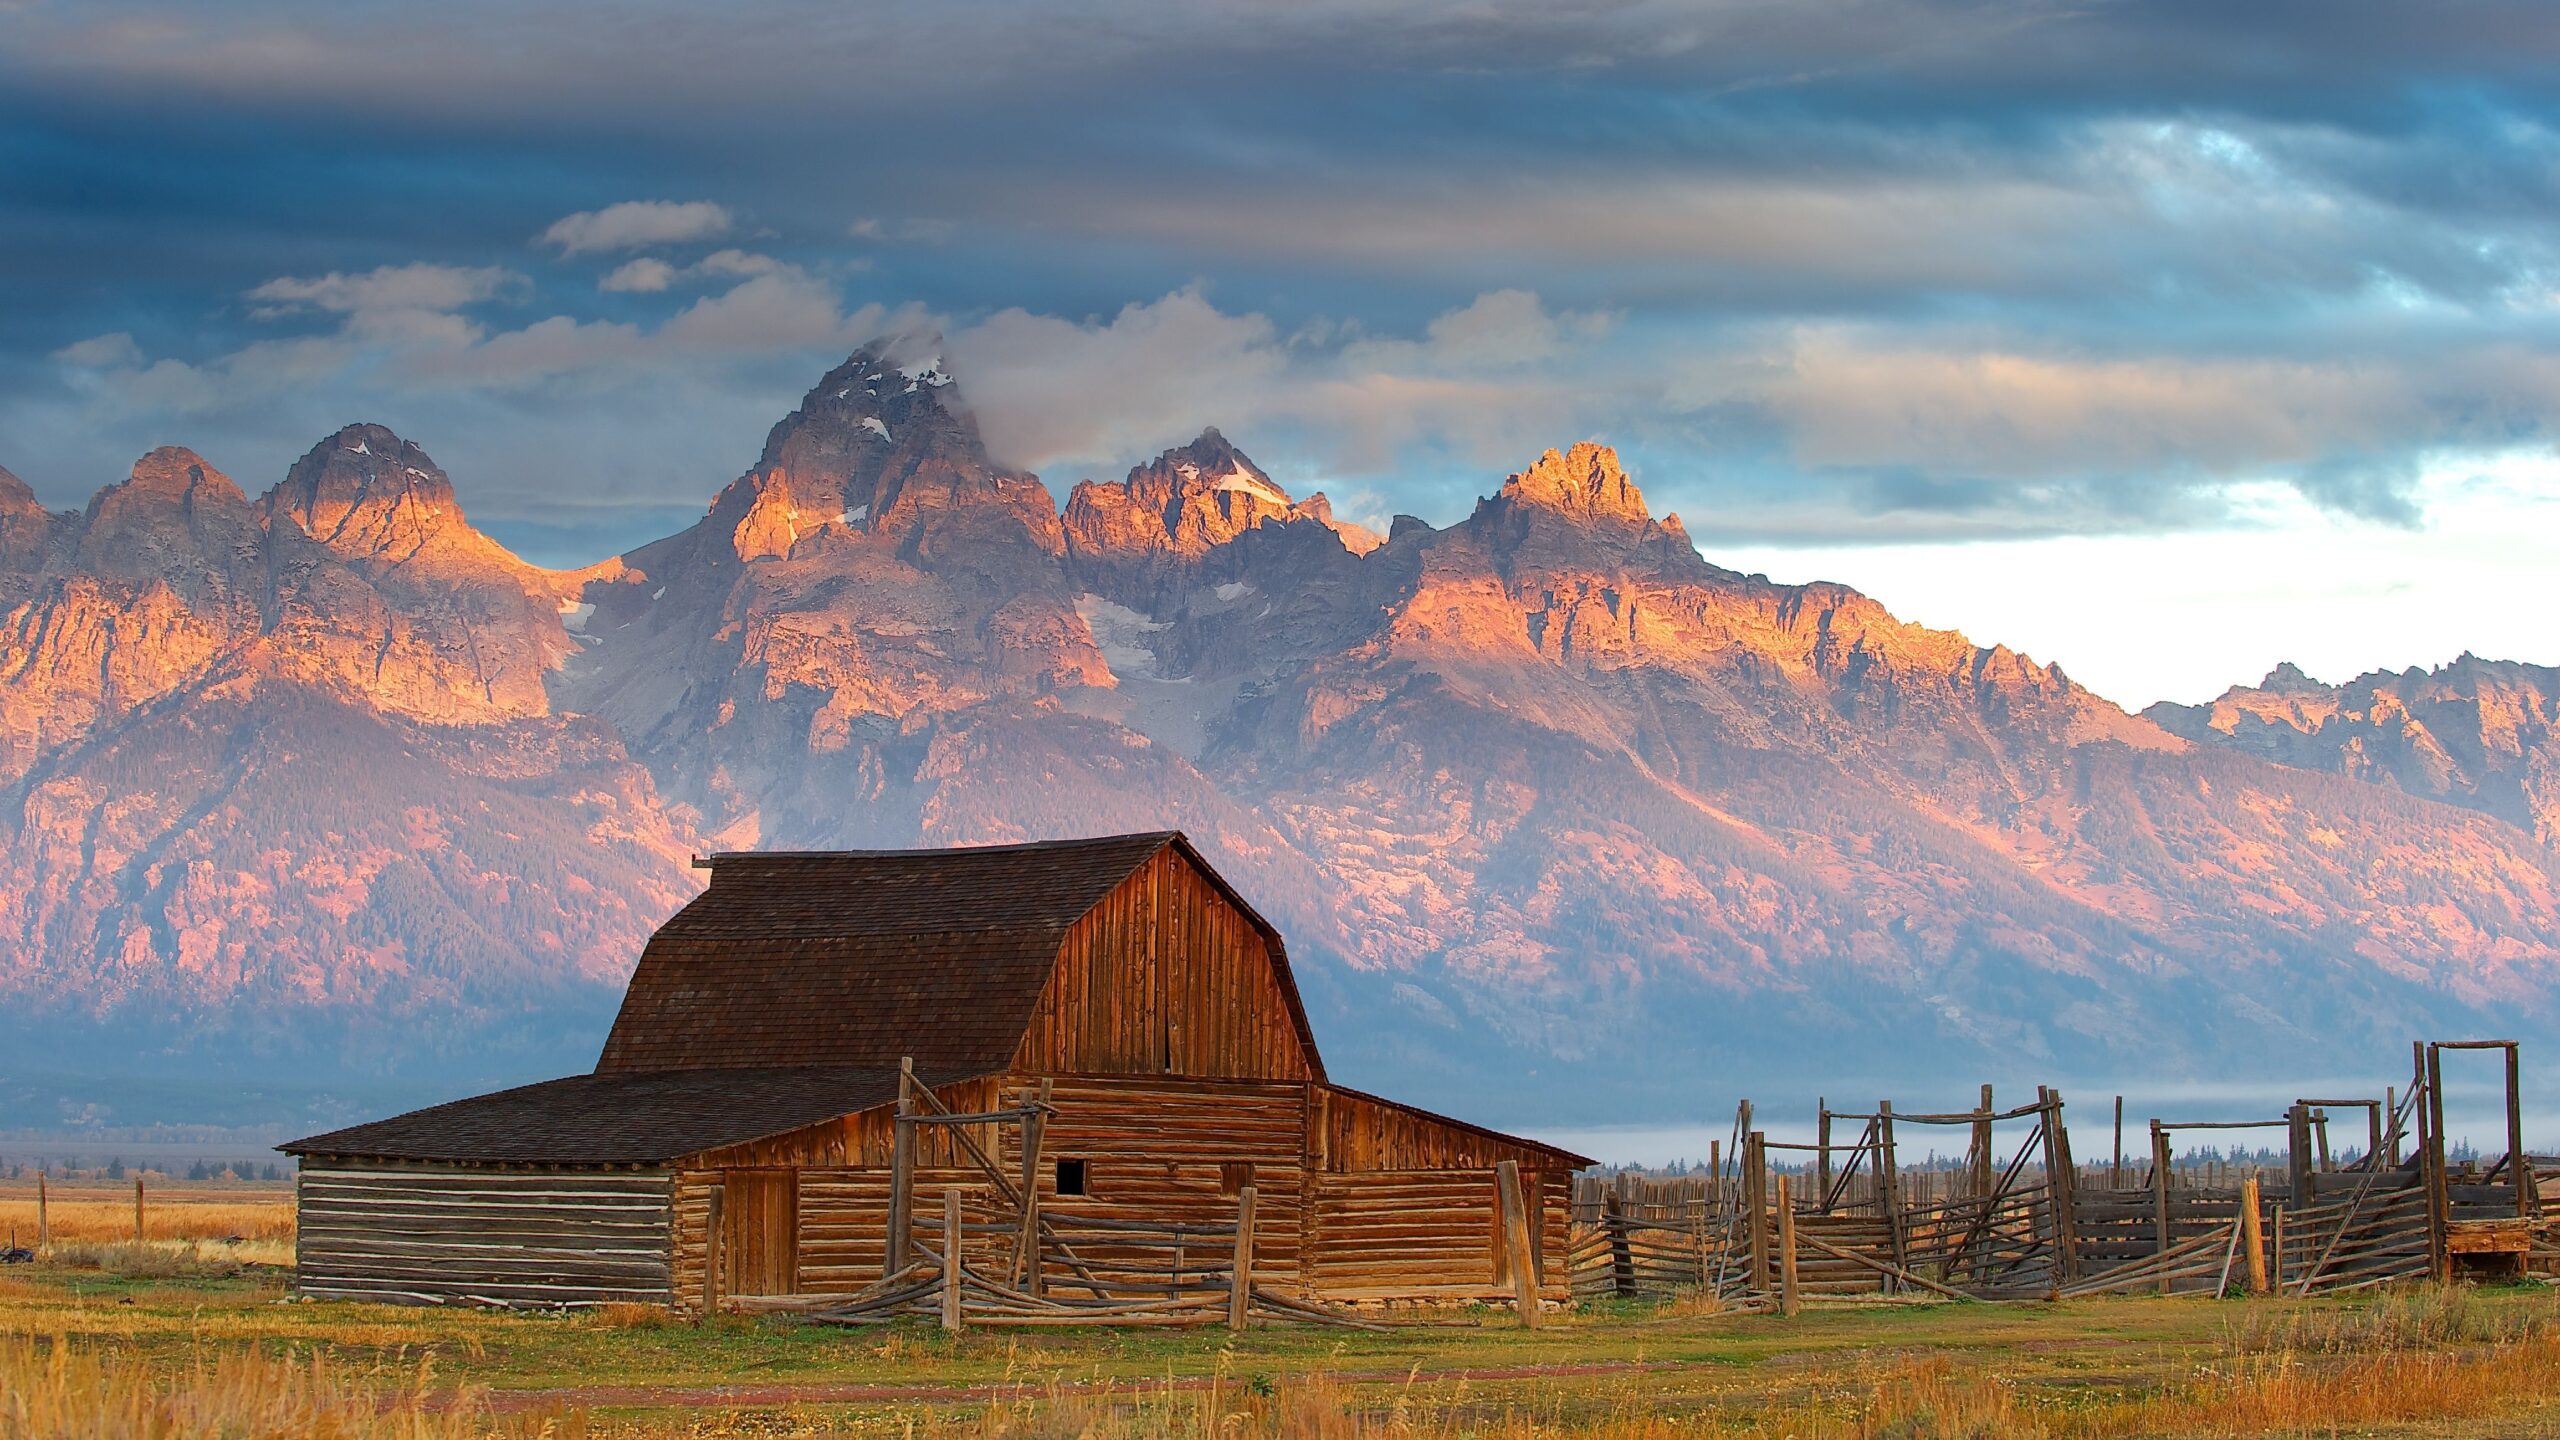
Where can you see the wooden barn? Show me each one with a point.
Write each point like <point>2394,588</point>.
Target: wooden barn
<point>1097,1043</point>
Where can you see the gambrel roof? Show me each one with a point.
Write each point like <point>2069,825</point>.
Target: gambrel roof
<point>861,957</point>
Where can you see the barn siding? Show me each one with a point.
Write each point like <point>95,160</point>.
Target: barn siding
<point>1162,1151</point>
<point>1361,1132</point>
<point>1166,976</point>
<point>1431,1234</point>
<point>452,1235</point>
<point>1173,1151</point>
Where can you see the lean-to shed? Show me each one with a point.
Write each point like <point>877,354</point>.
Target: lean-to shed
<point>1118,986</point>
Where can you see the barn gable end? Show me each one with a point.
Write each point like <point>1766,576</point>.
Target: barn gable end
<point>1170,974</point>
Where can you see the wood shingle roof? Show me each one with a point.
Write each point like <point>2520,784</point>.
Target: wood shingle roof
<point>631,1118</point>
<point>862,957</point>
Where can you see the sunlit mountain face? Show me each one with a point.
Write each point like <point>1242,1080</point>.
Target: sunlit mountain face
<point>326,783</point>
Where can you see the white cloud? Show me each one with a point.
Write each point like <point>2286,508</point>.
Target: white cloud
<point>637,223</point>
<point>1482,379</point>
<point>102,352</point>
<point>645,275</point>
<point>1048,390</point>
<point>392,287</point>
<point>736,262</point>
<point>648,274</point>
<point>398,335</point>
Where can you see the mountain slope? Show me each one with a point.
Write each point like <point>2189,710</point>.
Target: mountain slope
<point>2478,733</point>
<point>282,779</point>
<point>1529,794</point>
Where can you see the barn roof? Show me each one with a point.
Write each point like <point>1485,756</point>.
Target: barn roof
<point>860,957</point>
<point>630,1118</point>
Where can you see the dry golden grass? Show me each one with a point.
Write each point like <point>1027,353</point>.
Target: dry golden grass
<point>59,1390</point>
<point>2421,1359</point>
<point>171,1210</point>
<point>2429,1317</point>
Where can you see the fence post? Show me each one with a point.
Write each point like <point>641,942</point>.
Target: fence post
<point>2519,1168</point>
<point>1982,1171</point>
<point>2252,1237</point>
<point>2298,1167</point>
<point>2439,1198</point>
<point>2062,1187</point>
<point>1889,1181</point>
<point>2115,1178</point>
<point>1788,1302</point>
<point>902,1174</point>
<point>2160,1196</point>
<point>1622,1259</point>
<point>137,1207</point>
<point>1755,1194</point>
<point>44,1231</point>
<point>951,1259</point>
<point>1240,1278</point>
<point>1822,1154</point>
<point>1515,1236</point>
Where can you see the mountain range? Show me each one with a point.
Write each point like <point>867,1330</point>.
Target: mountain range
<point>1563,821</point>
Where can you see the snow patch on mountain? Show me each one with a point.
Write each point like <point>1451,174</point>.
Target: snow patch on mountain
<point>1120,634</point>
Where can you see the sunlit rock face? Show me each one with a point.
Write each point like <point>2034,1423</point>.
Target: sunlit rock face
<point>281,777</point>
<point>2478,733</point>
<point>1526,791</point>
<point>1143,540</point>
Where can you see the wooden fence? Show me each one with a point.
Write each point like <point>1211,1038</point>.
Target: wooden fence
<point>1850,1220</point>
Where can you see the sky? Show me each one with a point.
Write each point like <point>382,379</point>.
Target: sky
<point>2165,341</point>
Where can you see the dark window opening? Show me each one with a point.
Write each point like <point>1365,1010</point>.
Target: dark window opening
<point>1071,1177</point>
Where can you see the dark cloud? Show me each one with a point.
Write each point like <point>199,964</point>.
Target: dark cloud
<point>1851,269</point>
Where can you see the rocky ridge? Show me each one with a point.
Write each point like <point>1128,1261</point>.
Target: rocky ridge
<point>2484,734</point>
<point>1524,791</point>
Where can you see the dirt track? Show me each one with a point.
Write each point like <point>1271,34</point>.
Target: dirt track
<point>822,1392</point>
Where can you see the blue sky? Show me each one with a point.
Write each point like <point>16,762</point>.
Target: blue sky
<point>2163,340</point>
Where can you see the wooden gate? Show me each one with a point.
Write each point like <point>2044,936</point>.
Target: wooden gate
<point>760,1232</point>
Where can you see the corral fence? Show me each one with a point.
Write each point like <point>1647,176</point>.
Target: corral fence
<point>1844,1218</point>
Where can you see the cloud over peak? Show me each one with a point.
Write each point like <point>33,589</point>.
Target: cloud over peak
<point>389,287</point>
<point>637,224</point>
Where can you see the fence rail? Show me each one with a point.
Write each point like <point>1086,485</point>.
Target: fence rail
<point>2035,1223</point>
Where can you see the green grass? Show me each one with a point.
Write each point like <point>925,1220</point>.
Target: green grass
<point>2052,1359</point>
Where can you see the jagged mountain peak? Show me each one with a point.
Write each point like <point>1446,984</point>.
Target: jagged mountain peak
<point>175,473</point>
<point>2288,678</point>
<point>1585,481</point>
<point>888,382</point>
<point>1212,465</point>
<point>25,525</point>
<point>363,467</point>
<point>369,496</point>
<point>1145,537</point>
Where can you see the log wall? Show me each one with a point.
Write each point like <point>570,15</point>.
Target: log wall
<point>1177,1151</point>
<point>1430,1234</point>
<point>456,1236</point>
<point>1357,1199</point>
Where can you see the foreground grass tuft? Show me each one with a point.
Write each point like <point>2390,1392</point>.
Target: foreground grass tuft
<point>57,1390</point>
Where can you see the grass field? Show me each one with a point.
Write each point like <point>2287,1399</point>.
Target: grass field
<point>179,1336</point>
